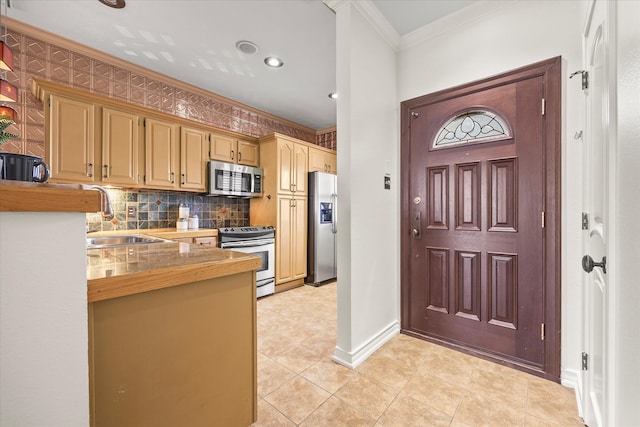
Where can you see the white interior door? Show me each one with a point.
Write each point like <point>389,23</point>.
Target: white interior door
<point>596,238</point>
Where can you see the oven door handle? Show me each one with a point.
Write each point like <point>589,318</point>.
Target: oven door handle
<point>260,283</point>
<point>247,244</point>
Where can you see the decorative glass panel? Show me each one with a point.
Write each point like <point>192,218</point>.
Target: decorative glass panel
<point>471,127</point>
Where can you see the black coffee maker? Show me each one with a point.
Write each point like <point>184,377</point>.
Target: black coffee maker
<point>23,167</point>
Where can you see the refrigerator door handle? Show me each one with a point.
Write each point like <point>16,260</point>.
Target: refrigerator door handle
<point>334,203</point>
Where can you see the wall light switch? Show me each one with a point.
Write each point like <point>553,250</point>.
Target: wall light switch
<point>132,212</point>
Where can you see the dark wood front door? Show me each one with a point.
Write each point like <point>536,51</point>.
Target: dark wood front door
<point>475,200</point>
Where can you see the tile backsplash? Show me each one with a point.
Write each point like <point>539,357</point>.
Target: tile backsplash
<point>159,209</point>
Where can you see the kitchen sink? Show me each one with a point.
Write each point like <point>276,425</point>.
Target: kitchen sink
<point>98,242</point>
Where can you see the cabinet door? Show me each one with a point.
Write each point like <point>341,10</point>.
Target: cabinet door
<point>292,163</point>
<point>291,239</point>
<point>120,147</point>
<point>285,167</point>
<point>317,162</point>
<point>300,175</point>
<point>248,153</point>
<point>223,148</point>
<point>332,163</point>
<point>160,154</point>
<point>321,161</point>
<point>194,147</point>
<point>299,238</point>
<point>284,240</point>
<point>71,147</point>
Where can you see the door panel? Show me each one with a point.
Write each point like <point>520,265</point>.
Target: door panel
<point>475,269</point>
<point>596,205</point>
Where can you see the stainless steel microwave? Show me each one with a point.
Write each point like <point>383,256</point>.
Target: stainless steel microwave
<point>228,179</point>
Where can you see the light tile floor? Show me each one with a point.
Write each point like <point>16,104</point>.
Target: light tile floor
<point>408,382</point>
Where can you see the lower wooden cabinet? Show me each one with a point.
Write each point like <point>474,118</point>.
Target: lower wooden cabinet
<point>180,356</point>
<point>291,239</point>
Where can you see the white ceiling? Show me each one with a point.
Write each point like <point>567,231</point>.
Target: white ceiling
<point>194,41</point>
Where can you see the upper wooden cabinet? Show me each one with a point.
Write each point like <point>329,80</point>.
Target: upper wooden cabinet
<point>233,150</point>
<point>161,150</point>
<point>285,162</point>
<point>322,160</point>
<point>70,149</point>
<point>92,139</point>
<point>194,151</point>
<point>120,148</point>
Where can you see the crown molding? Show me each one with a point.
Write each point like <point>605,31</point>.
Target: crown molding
<point>453,21</point>
<point>373,16</point>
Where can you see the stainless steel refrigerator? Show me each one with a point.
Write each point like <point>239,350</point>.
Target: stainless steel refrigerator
<point>322,229</point>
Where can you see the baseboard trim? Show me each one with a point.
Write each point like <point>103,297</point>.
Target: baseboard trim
<point>577,386</point>
<point>353,359</point>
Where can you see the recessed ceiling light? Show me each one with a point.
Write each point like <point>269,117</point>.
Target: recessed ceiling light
<point>333,95</point>
<point>245,46</point>
<point>117,4</point>
<point>273,61</point>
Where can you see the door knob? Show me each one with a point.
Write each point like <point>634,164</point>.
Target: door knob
<point>415,232</point>
<point>588,263</point>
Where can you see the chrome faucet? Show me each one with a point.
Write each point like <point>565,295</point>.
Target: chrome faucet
<point>105,202</point>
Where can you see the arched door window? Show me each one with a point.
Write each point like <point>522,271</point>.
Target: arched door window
<point>471,127</point>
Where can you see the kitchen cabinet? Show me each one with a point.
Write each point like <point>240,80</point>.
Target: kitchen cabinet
<point>286,159</point>
<point>291,236</point>
<point>232,150</point>
<point>70,149</point>
<point>120,148</point>
<point>160,154</point>
<point>178,356</point>
<point>194,149</point>
<point>284,205</point>
<point>92,139</point>
<point>322,160</point>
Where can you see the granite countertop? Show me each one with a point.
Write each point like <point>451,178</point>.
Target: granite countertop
<point>127,270</point>
<point>166,233</point>
<point>20,196</point>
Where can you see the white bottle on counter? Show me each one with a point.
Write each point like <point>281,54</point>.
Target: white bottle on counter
<point>182,224</point>
<point>194,223</point>
<point>183,211</point>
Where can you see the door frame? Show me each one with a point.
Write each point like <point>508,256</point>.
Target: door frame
<point>551,72</point>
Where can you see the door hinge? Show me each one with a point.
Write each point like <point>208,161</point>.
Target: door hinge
<point>542,215</point>
<point>585,361</point>
<point>585,78</point>
<point>543,106</point>
<point>585,221</point>
<point>541,331</point>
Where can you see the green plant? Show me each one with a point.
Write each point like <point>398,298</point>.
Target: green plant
<point>5,122</point>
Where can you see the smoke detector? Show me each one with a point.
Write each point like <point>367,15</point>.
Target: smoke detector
<point>247,47</point>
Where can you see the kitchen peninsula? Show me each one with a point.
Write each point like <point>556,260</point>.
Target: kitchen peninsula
<point>170,327</point>
<point>172,335</point>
